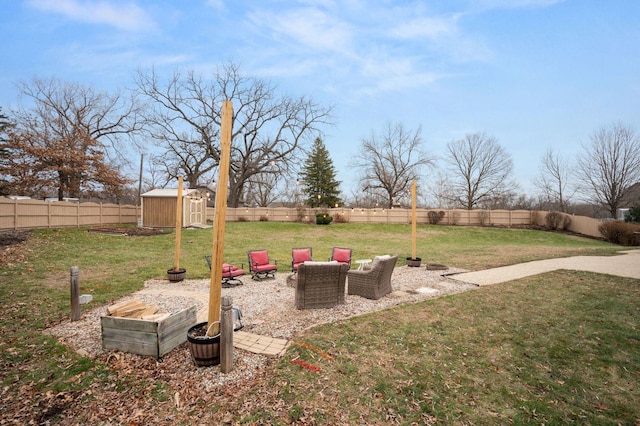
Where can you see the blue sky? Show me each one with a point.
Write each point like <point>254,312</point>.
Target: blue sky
<point>532,73</point>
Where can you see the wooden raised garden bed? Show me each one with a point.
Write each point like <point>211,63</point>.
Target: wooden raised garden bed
<point>156,335</point>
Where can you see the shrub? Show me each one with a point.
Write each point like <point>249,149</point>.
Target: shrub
<point>455,218</point>
<point>618,232</point>
<point>434,217</point>
<point>243,219</point>
<point>264,218</point>
<point>484,217</point>
<point>301,213</point>
<point>535,217</point>
<point>558,221</point>
<point>323,219</point>
<point>633,215</point>
<point>340,218</point>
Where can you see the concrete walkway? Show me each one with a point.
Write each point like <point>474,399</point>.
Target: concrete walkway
<point>627,264</point>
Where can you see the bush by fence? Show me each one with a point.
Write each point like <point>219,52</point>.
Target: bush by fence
<point>618,232</point>
<point>558,221</point>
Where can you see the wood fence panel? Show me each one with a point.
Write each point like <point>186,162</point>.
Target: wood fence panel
<point>22,214</point>
<point>27,214</point>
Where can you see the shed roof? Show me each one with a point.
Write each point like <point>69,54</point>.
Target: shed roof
<point>169,192</point>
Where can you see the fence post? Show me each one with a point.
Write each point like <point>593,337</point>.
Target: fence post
<point>226,335</point>
<point>15,214</point>
<point>76,313</point>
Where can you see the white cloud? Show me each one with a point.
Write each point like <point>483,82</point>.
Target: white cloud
<point>216,4</point>
<point>361,48</point>
<point>426,26</point>
<point>310,28</point>
<point>124,16</point>
<point>512,4</point>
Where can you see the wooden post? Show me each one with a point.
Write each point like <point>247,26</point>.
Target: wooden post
<point>217,252</point>
<point>226,335</point>
<point>414,221</point>
<point>176,258</point>
<point>76,312</point>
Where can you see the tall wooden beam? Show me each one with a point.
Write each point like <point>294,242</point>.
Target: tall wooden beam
<point>176,258</point>
<point>414,220</point>
<point>219,219</point>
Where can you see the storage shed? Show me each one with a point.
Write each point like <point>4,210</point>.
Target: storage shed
<point>159,207</point>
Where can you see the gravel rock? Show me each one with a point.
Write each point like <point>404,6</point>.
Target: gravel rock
<point>268,308</point>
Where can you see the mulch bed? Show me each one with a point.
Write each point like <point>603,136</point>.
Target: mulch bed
<point>11,237</point>
<point>130,232</point>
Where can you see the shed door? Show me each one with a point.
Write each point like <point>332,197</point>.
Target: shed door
<point>196,208</point>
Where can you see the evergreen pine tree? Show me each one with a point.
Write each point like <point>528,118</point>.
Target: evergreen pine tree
<point>319,178</point>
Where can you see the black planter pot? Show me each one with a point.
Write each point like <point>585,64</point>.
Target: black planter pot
<point>414,263</point>
<point>176,275</point>
<point>204,350</point>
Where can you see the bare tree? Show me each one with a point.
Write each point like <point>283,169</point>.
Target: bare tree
<point>68,141</point>
<point>553,180</point>
<point>390,161</point>
<point>268,130</point>
<point>480,170</point>
<point>609,165</point>
<point>440,191</point>
<point>263,188</point>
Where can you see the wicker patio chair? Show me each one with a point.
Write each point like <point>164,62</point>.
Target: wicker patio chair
<point>260,265</point>
<point>341,255</point>
<point>374,282</point>
<point>320,285</point>
<point>300,255</point>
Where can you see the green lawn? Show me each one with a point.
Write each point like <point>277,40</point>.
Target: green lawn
<point>557,348</point>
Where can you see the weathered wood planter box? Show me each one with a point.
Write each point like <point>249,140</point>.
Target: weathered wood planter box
<point>145,337</point>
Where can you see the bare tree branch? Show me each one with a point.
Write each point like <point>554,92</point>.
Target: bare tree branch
<point>480,169</point>
<point>609,165</point>
<point>68,140</point>
<point>553,180</point>
<point>268,131</point>
<point>390,161</point>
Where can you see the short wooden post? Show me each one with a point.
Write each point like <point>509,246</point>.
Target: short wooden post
<point>226,335</point>
<point>76,312</point>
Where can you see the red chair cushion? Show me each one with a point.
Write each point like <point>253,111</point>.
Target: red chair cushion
<point>232,273</point>
<point>341,255</point>
<point>300,255</point>
<point>259,258</point>
<point>262,268</point>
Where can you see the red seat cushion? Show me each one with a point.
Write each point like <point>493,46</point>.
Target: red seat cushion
<point>232,273</point>
<point>299,256</point>
<point>259,257</point>
<point>262,268</point>
<point>342,255</point>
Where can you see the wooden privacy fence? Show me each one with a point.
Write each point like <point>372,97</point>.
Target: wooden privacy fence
<point>508,218</point>
<point>20,214</point>
<point>378,215</point>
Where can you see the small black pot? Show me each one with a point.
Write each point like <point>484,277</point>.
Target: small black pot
<point>415,263</point>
